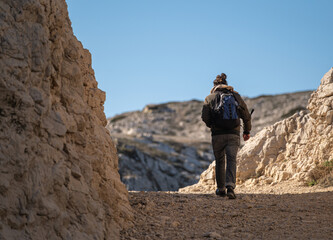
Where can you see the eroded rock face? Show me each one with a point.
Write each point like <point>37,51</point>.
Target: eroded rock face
<point>161,163</point>
<point>58,165</point>
<point>287,150</point>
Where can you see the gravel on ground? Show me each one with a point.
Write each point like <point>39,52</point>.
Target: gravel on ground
<point>173,215</point>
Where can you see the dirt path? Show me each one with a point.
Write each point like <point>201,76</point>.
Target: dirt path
<point>171,215</point>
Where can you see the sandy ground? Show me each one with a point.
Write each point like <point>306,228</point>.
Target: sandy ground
<point>267,213</point>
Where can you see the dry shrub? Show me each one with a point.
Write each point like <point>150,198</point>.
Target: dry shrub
<point>322,174</point>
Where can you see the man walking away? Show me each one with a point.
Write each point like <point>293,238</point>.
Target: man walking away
<point>221,112</point>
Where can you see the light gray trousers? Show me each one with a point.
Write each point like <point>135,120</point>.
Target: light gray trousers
<point>225,145</point>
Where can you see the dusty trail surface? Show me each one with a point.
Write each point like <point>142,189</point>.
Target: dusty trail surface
<point>172,215</point>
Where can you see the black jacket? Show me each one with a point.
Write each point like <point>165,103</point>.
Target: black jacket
<point>242,111</point>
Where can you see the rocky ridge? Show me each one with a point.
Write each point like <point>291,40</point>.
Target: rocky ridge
<point>58,166</point>
<point>167,146</point>
<point>286,151</point>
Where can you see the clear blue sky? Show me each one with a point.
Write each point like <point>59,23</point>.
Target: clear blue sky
<point>153,51</point>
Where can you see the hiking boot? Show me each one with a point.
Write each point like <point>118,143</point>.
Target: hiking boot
<point>220,193</point>
<point>230,193</point>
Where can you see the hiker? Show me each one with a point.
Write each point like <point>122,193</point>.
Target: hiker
<point>221,112</point>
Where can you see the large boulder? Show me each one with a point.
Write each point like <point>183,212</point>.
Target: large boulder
<point>58,166</point>
<point>287,150</point>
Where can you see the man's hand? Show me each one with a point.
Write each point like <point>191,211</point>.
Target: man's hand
<point>246,137</point>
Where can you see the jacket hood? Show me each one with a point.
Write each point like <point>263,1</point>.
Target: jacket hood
<point>221,87</point>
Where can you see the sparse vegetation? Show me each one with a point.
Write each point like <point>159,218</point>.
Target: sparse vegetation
<point>322,174</point>
<point>328,164</point>
<point>312,183</point>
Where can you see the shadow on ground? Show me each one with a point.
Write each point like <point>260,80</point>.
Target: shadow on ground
<point>171,215</point>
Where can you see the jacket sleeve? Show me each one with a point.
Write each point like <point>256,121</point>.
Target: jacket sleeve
<point>206,114</point>
<point>244,114</point>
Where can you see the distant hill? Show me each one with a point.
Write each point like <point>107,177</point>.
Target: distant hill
<point>167,146</point>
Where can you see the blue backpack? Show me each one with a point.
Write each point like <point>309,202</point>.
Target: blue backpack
<point>224,111</point>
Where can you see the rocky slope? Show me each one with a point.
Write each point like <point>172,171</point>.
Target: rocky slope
<point>58,165</point>
<point>167,146</point>
<point>287,150</point>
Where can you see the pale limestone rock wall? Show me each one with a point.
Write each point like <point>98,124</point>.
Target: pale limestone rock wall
<point>58,166</point>
<point>287,150</point>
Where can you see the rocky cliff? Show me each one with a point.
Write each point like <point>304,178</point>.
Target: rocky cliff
<point>58,165</point>
<point>167,146</point>
<point>287,150</point>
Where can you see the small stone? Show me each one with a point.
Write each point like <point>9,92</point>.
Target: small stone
<point>36,95</point>
<point>4,185</point>
<point>76,172</point>
<point>212,235</point>
<point>268,180</point>
<point>175,224</point>
<point>164,219</point>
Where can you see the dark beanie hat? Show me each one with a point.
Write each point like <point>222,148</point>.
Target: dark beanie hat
<point>221,79</point>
